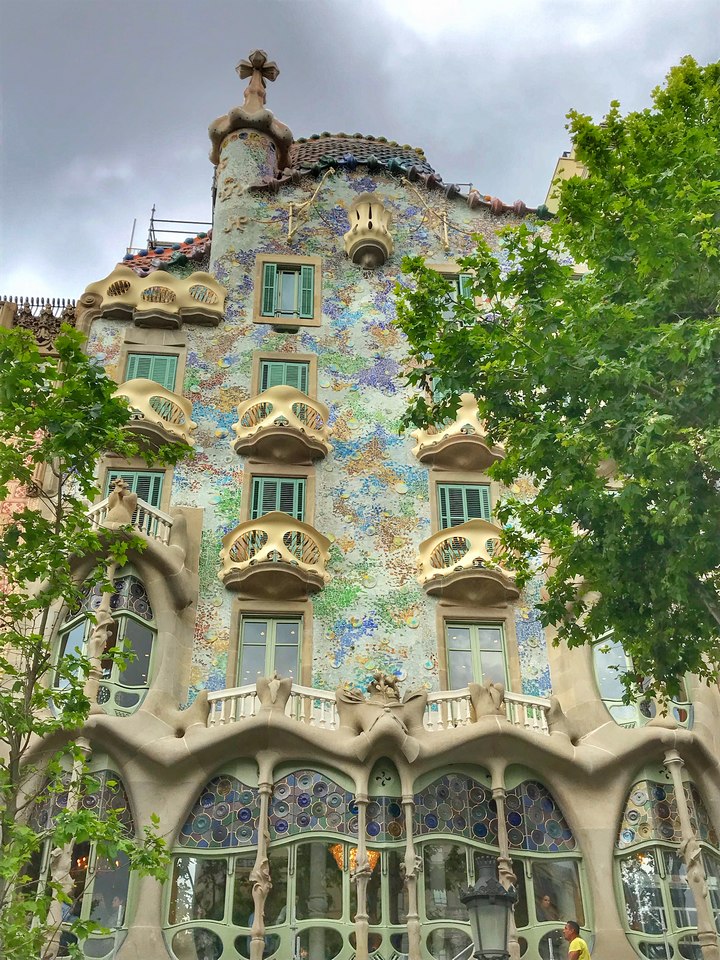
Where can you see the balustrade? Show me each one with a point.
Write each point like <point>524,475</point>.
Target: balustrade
<point>145,519</point>
<point>459,445</point>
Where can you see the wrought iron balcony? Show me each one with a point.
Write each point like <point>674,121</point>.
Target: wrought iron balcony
<point>464,564</point>
<point>284,425</point>
<point>460,445</point>
<point>158,415</point>
<point>273,557</point>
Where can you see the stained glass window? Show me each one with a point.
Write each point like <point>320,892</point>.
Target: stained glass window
<point>535,821</point>
<point>308,800</point>
<point>457,805</point>
<point>225,815</point>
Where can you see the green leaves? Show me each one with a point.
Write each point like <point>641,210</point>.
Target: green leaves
<point>617,366</point>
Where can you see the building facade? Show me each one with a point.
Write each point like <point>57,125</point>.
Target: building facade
<point>340,702</point>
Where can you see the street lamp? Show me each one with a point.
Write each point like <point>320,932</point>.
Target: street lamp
<point>488,904</point>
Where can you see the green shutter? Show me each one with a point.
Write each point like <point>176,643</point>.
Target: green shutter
<point>275,373</point>
<point>307,283</point>
<point>460,502</point>
<point>278,493</point>
<point>152,366</point>
<point>269,291</point>
<point>146,484</point>
<point>465,285</point>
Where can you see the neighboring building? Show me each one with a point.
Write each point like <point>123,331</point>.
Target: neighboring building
<point>320,589</point>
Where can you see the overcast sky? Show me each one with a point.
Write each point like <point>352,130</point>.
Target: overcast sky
<point>106,103</point>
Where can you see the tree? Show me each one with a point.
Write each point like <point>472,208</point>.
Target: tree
<point>57,417</point>
<point>603,382</point>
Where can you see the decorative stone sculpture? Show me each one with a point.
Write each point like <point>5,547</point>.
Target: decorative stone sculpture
<point>122,504</point>
<point>488,699</point>
<point>368,242</point>
<point>382,720</point>
<point>273,692</point>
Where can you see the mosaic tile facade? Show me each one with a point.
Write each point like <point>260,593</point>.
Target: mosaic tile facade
<point>371,494</point>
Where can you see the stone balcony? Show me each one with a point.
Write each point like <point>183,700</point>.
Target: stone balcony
<point>282,425</point>
<point>463,564</point>
<point>144,519</point>
<point>460,445</point>
<point>274,557</point>
<point>444,710</point>
<point>158,415</point>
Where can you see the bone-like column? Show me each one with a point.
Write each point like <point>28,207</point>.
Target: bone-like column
<point>506,872</point>
<point>360,877</point>
<point>260,873</point>
<point>411,868</point>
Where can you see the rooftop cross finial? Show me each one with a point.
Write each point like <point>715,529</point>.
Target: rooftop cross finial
<point>259,69</point>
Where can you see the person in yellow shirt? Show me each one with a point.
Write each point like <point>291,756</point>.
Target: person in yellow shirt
<point>577,948</point>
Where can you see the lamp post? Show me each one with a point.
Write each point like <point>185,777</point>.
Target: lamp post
<point>488,904</point>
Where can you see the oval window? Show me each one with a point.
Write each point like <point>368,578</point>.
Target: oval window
<point>447,943</point>
<point>197,943</point>
<point>272,945</point>
<point>320,942</point>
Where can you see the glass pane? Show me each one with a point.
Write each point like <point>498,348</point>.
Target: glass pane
<point>447,944</point>
<point>197,944</point>
<point>458,638</point>
<point>445,871</point>
<point>277,899</point>
<point>138,639</point>
<point>287,632</point>
<point>460,670</point>
<point>643,898</point>
<point>78,873</point>
<point>288,292</point>
<point>610,663</point>
<point>109,894</point>
<point>398,890</point>
<point>272,945</point>
<point>493,666</point>
<point>556,885</point>
<point>72,644</point>
<point>286,661</point>
<point>521,906</point>
<point>319,943</point>
<point>198,889</point>
<point>490,638</point>
<point>252,664</point>
<point>319,884</point>
<point>681,897</point>
<point>553,946</point>
<point>712,871</point>
<point>242,904</point>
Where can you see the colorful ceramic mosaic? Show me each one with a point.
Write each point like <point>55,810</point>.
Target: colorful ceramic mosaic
<point>225,815</point>
<point>307,800</point>
<point>651,814</point>
<point>457,805</point>
<point>535,821</point>
<point>104,793</point>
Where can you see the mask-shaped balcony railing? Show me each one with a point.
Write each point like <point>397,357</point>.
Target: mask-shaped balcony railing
<point>275,556</point>
<point>460,445</point>
<point>464,564</point>
<point>158,415</point>
<point>284,425</point>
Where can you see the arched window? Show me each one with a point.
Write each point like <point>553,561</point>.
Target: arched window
<point>659,906</point>
<point>123,685</point>
<point>611,662</point>
<point>99,884</point>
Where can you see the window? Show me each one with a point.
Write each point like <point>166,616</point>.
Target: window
<point>278,493</point>
<point>267,645</point>
<point>291,373</point>
<point>122,686</point>
<point>161,368</point>
<point>461,287</point>
<point>147,484</point>
<point>460,502</point>
<point>475,653</point>
<point>288,290</point>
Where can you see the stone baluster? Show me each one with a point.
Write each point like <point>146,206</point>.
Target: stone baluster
<point>411,868</point>
<point>260,873</point>
<point>360,878</point>
<point>506,873</point>
<point>692,856</point>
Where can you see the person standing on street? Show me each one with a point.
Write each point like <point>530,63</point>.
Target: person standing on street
<point>577,948</point>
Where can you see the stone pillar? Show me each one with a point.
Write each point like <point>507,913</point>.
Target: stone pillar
<point>411,869</point>
<point>360,878</point>
<point>99,637</point>
<point>692,855</point>
<point>317,899</point>
<point>506,873</point>
<point>260,873</point>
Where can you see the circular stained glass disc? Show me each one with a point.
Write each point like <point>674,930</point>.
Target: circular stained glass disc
<point>514,819</point>
<point>207,800</point>
<point>282,790</point>
<point>533,790</point>
<point>459,824</point>
<point>431,821</point>
<point>303,800</point>
<point>334,820</point>
<point>667,831</point>
<point>280,808</point>
<point>394,810</point>
<point>281,826</point>
<point>457,785</point>
<point>554,829</point>
<point>515,836</point>
<point>534,814</point>
<point>442,792</point>
<point>219,833</point>
<point>335,800</point>
<point>476,795</point>
<point>632,816</point>
<point>659,793</point>
<point>201,823</point>
<point>318,808</point>
<point>224,786</point>
<point>394,829</point>
<point>512,802</point>
<point>662,810</point>
<point>373,828</point>
<point>245,815</point>
<point>538,837</point>
<point>627,836</point>
<point>221,811</point>
<point>479,831</point>
<point>639,797</point>
<point>320,789</point>
<point>305,781</point>
<point>303,820</point>
<point>430,803</point>
<point>444,811</point>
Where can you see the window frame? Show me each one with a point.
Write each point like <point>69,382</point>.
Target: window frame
<point>261,470</point>
<point>135,465</point>
<point>270,646</point>
<point>290,263</point>
<point>449,613</point>
<point>140,340</point>
<point>132,355</point>
<point>249,609</point>
<point>438,476</point>
<point>485,497</point>
<point>475,627</point>
<point>263,356</point>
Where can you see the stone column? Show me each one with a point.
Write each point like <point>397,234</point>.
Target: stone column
<point>260,873</point>
<point>411,869</point>
<point>692,855</point>
<point>360,878</point>
<point>317,899</point>
<point>99,637</point>
<point>506,873</point>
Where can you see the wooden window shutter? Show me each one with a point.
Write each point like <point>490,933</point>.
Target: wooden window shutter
<point>465,284</point>
<point>160,368</point>
<point>307,284</point>
<point>275,373</point>
<point>460,502</point>
<point>269,290</point>
<point>145,483</point>
<point>275,493</point>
